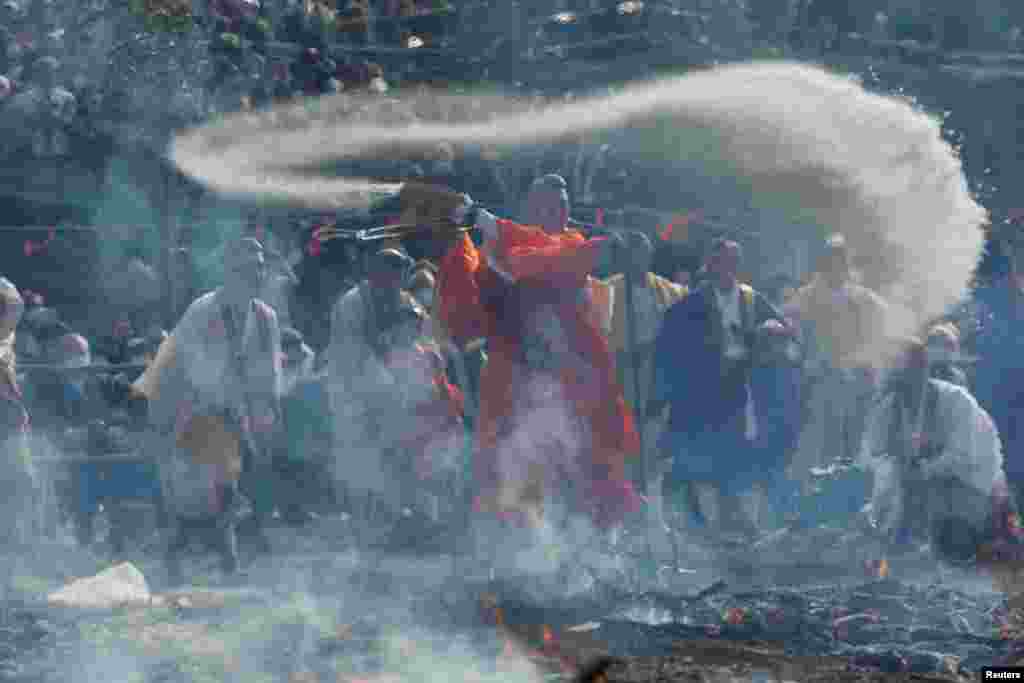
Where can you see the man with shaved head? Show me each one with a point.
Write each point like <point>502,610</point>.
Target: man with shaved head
<point>214,393</point>
<point>936,459</point>
<point>388,397</point>
<point>703,363</point>
<point>547,204</point>
<point>552,414</point>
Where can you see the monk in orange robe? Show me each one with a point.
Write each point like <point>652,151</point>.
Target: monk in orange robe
<point>551,412</point>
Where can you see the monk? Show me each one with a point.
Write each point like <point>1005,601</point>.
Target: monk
<point>551,412</point>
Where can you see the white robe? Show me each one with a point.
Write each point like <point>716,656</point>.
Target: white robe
<point>191,373</point>
<point>370,399</point>
<point>972,457</point>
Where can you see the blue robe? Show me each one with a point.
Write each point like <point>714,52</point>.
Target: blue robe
<point>708,398</point>
<point>999,375</point>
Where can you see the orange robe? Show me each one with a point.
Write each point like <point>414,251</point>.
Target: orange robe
<point>551,271</point>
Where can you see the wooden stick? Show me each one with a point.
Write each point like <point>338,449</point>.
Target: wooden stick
<point>634,371</point>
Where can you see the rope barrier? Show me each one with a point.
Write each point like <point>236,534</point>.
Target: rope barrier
<point>104,459</point>
<point>84,370</point>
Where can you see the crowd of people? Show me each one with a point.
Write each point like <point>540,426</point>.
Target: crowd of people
<point>60,79</point>
<point>569,362</point>
<point>600,375</point>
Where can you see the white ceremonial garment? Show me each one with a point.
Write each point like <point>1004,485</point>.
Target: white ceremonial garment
<point>971,456</point>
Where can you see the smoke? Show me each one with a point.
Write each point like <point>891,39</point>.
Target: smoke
<point>866,165</point>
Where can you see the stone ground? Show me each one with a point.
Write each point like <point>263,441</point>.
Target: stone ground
<point>320,611</point>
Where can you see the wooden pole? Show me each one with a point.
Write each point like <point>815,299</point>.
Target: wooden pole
<point>634,371</point>
<point>167,247</point>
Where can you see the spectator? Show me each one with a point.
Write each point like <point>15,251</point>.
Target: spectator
<point>313,71</point>
<point>193,383</point>
<point>36,320</point>
<point>70,350</point>
<point>371,325</point>
<point>377,83</point>
<point>354,21</point>
<point>676,262</point>
<point>47,109</point>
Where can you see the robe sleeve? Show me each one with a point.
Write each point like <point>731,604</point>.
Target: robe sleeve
<point>187,333</point>
<point>460,306</point>
<point>165,384</point>
<point>537,259</point>
<point>973,453</point>
<point>265,371</point>
<point>664,354</point>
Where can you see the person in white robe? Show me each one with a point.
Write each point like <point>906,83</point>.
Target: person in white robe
<point>936,460</point>
<point>214,392</point>
<point>371,401</point>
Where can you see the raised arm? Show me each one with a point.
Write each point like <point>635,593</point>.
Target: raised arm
<point>460,305</point>
<point>529,253</point>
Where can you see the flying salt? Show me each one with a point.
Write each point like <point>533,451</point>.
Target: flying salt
<point>865,165</point>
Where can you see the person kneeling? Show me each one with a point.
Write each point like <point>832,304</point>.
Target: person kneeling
<point>937,462</point>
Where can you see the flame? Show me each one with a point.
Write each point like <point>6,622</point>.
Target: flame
<point>883,569</point>
<point>549,635</point>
